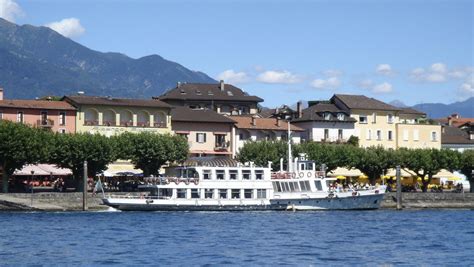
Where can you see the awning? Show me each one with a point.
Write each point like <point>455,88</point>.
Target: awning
<point>403,173</point>
<point>42,170</point>
<point>443,174</point>
<point>122,168</point>
<point>345,172</point>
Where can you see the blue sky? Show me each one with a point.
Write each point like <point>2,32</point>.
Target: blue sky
<point>285,51</point>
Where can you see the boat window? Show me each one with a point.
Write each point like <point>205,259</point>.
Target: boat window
<point>181,193</point>
<point>309,166</point>
<point>261,193</point>
<point>308,187</point>
<point>195,193</point>
<point>208,193</point>
<point>318,185</point>
<point>248,193</point>
<point>285,186</point>
<point>165,192</point>
<point>303,186</point>
<point>206,174</point>
<point>302,166</point>
<point>259,174</point>
<point>220,174</point>
<point>235,193</point>
<point>246,174</point>
<point>297,188</point>
<point>275,187</point>
<point>278,186</point>
<point>192,173</point>
<point>233,174</point>
<point>292,187</point>
<point>328,183</point>
<point>223,193</point>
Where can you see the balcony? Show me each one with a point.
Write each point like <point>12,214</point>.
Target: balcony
<point>224,146</point>
<point>45,123</point>
<point>91,123</point>
<point>159,125</point>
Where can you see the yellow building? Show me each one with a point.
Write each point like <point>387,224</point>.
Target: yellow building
<point>112,116</point>
<point>381,124</point>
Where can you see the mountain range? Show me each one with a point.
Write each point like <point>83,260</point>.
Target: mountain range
<point>37,61</point>
<point>438,110</point>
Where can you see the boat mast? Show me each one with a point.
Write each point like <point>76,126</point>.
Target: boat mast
<point>290,167</point>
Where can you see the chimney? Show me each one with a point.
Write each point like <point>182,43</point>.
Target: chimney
<point>1,93</point>
<point>254,120</point>
<point>299,109</point>
<point>450,121</point>
<point>455,115</point>
<point>178,85</point>
<point>278,122</point>
<point>222,85</point>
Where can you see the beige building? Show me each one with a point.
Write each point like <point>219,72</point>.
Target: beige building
<point>208,133</point>
<point>221,97</point>
<point>112,116</point>
<point>381,124</point>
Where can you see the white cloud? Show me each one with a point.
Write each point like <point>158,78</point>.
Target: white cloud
<point>382,88</point>
<point>70,27</point>
<point>439,68</point>
<point>284,77</point>
<point>436,73</point>
<point>384,69</point>
<point>330,83</point>
<point>231,76</point>
<point>10,10</point>
<point>468,86</point>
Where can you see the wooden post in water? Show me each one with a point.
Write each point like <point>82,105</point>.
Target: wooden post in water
<point>84,188</point>
<point>399,189</point>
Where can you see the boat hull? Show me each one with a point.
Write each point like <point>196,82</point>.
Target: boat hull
<point>365,202</point>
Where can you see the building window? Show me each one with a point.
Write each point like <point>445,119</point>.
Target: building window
<point>379,135</point>
<point>416,135</point>
<point>195,193</point>
<point>62,131</point>
<point>390,118</point>
<point>340,116</point>
<point>362,119</point>
<point>369,134</point>
<point>1,115</point>
<point>405,135</point>
<point>327,116</point>
<point>340,134</point>
<point>390,135</point>
<point>259,174</point>
<point>326,134</point>
<point>20,117</point>
<point>223,193</point>
<point>62,118</point>
<point>201,137</point>
<point>233,174</point>
<point>261,193</point>
<point>220,141</point>
<point>374,117</point>
<point>434,136</point>
<point>44,117</point>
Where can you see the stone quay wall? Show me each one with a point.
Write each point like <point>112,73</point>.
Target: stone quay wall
<point>73,201</point>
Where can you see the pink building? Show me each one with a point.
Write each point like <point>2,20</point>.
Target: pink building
<point>59,116</point>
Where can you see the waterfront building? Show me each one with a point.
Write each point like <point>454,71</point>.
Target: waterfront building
<point>325,122</point>
<point>208,133</point>
<point>221,97</point>
<point>57,116</point>
<point>381,124</point>
<point>457,138</point>
<point>254,128</point>
<point>111,116</point>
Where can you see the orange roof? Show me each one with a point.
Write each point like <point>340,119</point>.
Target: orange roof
<point>36,104</point>
<point>245,122</point>
<point>456,122</point>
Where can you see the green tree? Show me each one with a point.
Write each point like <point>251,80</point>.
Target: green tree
<point>466,166</point>
<point>20,145</point>
<point>373,161</point>
<point>261,152</point>
<point>332,155</point>
<point>428,162</point>
<point>353,140</point>
<point>150,151</point>
<point>71,150</point>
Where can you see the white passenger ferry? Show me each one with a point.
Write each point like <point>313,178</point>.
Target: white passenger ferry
<point>225,185</point>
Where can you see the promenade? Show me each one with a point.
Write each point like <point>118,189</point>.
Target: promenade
<point>73,201</point>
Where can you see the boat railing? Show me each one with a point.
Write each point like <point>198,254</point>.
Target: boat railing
<point>138,197</point>
<point>168,180</point>
<point>296,175</point>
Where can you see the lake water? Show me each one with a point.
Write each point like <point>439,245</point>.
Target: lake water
<point>423,237</point>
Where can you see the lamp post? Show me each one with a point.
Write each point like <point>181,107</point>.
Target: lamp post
<point>31,186</point>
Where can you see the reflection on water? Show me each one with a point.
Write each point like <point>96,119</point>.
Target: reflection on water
<point>257,238</point>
